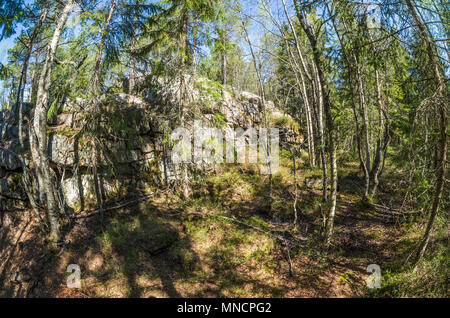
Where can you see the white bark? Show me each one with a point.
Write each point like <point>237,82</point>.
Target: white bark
<point>39,143</point>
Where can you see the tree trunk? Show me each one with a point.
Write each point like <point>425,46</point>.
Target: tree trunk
<point>329,120</point>
<point>132,69</point>
<point>38,141</point>
<point>97,82</point>
<point>304,93</point>
<point>311,148</point>
<point>441,97</point>
<point>364,156</point>
<point>320,106</point>
<point>381,146</point>
<point>363,105</point>
<point>194,44</point>
<point>224,57</point>
<point>263,101</point>
<point>33,77</point>
<point>183,92</point>
<point>20,90</point>
<point>23,75</point>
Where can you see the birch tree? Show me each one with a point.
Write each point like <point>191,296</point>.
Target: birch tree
<point>38,137</point>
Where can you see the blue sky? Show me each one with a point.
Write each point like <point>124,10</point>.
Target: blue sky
<point>8,43</point>
<point>249,7</point>
<point>5,45</point>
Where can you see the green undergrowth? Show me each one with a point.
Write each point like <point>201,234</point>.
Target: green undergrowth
<point>220,242</point>
<point>430,277</point>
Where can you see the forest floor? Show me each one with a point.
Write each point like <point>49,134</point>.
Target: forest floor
<point>223,242</point>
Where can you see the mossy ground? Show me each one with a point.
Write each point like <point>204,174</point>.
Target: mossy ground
<point>163,246</point>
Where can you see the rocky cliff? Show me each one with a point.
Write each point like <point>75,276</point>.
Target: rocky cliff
<point>131,137</point>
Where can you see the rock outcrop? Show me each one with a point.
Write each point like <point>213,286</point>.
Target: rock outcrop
<point>131,132</point>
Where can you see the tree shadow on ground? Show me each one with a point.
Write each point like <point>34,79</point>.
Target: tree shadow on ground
<point>143,252</point>
<point>16,251</point>
<point>137,246</point>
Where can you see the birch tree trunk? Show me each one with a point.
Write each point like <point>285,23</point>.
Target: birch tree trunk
<point>382,142</point>
<point>302,87</point>
<point>324,90</point>
<point>263,101</point>
<point>304,93</point>
<point>38,140</point>
<point>320,111</point>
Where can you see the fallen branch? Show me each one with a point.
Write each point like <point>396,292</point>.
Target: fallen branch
<point>267,232</point>
<point>393,211</point>
<point>203,214</point>
<point>291,268</point>
<point>7,197</point>
<point>97,211</point>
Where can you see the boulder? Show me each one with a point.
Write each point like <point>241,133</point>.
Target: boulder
<point>27,113</point>
<point>62,119</point>
<point>11,187</point>
<point>74,188</point>
<point>76,105</point>
<point>313,182</point>
<point>8,158</point>
<point>250,97</point>
<point>133,128</point>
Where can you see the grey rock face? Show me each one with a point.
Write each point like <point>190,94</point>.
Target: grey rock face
<point>11,188</point>
<point>62,119</point>
<point>222,107</point>
<point>27,113</point>
<point>314,182</point>
<point>8,157</point>
<point>61,150</point>
<point>73,189</point>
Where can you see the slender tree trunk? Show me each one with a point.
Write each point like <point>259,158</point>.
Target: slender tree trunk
<point>295,189</point>
<point>304,93</point>
<point>224,56</point>
<point>183,92</point>
<point>97,82</point>
<point>194,44</point>
<point>329,120</point>
<point>441,97</point>
<point>132,68</point>
<point>358,136</point>
<point>363,105</point>
<point>364,156</point>
<point>38,141</point>
<point>383,130</point>
<point>311,148</point>
<point>20,90</point>
<point>33,77</point>
<point>263,101</point>
<point>320,106</point>
<point>23,75</point>
<point>316,122</point>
